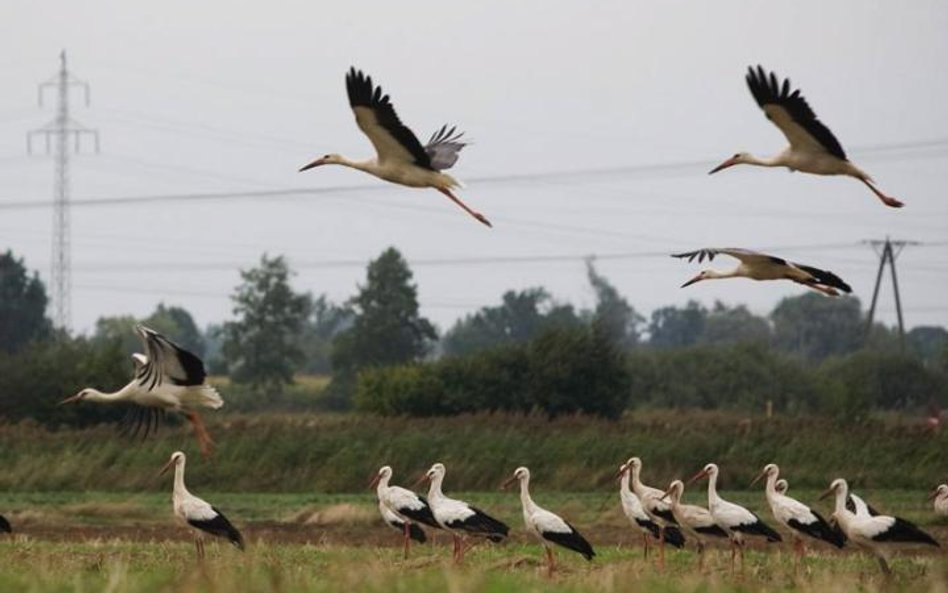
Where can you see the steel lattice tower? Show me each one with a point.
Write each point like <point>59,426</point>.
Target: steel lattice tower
<point>57,134</point>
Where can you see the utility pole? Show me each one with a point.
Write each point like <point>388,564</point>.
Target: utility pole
<point>57,134</point>
<point>890,250</point>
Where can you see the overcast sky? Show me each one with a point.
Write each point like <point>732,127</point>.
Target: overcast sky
<point>198,97</point>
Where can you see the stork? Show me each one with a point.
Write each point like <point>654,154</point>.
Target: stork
<point>813,147</point>
<point>5,525</point>
<point>405,508</point>
<point>658,509</point>
<point>400,157</point>
<point>876,534</point>
<point>696,521</point>
<point>546,526</point>
<point>167,378</point>
<point>939,500</point>
<point>760,266</point>
<point>732,518</point>
<point>458,517</point>
<point>195,512</point>
<point>632,507</point>
<point>794,515</point>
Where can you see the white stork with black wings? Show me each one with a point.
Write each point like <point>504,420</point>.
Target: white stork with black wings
<point>196,512</point>
<point>760,266</point>
<point>400,156</point>
<point>167,378</point>
<point>813,147</point>
<point>405,508</point>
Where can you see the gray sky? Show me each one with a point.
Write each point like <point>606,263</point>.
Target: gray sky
<point>225,96</point>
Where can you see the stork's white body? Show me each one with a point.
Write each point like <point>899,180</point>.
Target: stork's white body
<point>695,520</point>
<point>877,534</point>
<point>404,505</point>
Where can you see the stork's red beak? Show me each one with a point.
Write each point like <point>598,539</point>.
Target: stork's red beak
<point>696,477</point>
<point>375,481</point>
<point>755,480</point>
<point>71,399</point>
<point>728,163</point>
<point>666,495</point>
<point>166,467</point>
<point>932,496</point>
<point>697,278</point>
<point>316,163</point>
<point>622,469</point>
<point>508,482</point>
<point>419,481</point>
<point>827,493</point>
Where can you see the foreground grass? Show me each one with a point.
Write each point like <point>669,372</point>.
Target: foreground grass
<point>120,567</point>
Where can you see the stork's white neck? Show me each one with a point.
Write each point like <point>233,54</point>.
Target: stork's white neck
<point>382,486</point>
<point>434,488</point>
<point>774,161</point>
<point>624,483</point>
<point>525,499</point>
<point>179,488</point>
<point>370,166</point>
<point>841,495</point>
<point>713,497</point>
<point>771,488</point>
<point>637,484</point>
<point>94,395</point>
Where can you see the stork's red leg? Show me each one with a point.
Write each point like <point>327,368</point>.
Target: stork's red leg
<point>661,548</point>
<point>887,200</point>
<point>551,563</point>
<point>407,538</point>
<point>480,217</point>
<point>204,439</point>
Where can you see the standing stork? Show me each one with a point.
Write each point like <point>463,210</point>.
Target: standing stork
<point>167,378</point>
<point>939,500</point>
<point>546,526</point>
<point>760,266</point>
<point>875,533</point>
<point>696,521</point>
<point>813,147</point>
<point>733,518</point>
<point>458,517</point>
<point>195,512</point>
<point>400,157</point>
<point>794,515</point>
<point>656,507</point>
<point>632,507</point>
<point>404,508</point>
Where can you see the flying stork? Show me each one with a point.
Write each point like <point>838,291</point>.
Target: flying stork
<point>794,515</point>
<point>877,534</point>
<point>405,508</point>
<point>400,157</point>
<point>632,507</point>
<point>813,147</point>
<point>546,526</point>
<point>459,517</point>
<point>732,518</point>
<point>167,378</point>
<point>696,521</point>
<point>939,500</point>
<point>195,512</point>
<point>658,509</point>
<point>760,266</point>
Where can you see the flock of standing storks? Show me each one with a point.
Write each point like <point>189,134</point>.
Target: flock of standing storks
<point>168,378</point>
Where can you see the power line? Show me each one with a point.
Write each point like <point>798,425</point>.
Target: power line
<point>890,251</point>
<point>691,167</point>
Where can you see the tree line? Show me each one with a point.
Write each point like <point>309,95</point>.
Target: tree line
<point>529,352</point>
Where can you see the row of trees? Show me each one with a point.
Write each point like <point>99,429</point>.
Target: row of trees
<point>377,340</point>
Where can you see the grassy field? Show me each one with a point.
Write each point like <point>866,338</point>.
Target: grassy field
<point>91,541</point>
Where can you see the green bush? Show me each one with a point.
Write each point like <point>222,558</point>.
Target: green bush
<point>564,371</point>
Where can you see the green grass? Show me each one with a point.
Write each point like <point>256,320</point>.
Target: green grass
<point>337,453</point>
<point>118,567</point>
